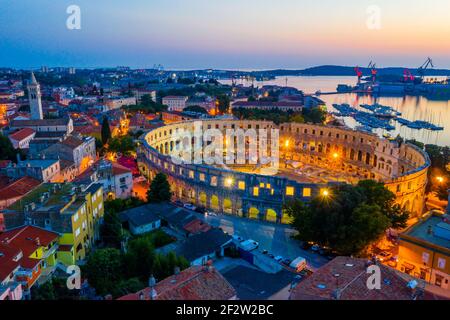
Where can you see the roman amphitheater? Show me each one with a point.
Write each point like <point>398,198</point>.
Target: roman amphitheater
<point>312,159</point>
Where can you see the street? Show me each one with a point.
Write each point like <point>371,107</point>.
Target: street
<point>275,238</point>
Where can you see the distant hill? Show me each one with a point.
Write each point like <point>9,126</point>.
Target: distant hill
<point>330,70</point>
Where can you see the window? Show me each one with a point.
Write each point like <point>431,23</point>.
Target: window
<point>77,232</point>
<point>202,177</point>
<point>268,185</point>
<point>241,185</point>
<point>75,217</point>
<point>214,181</point>
<point>256,191</point>
<point>289,191</point>
<point>261,184</point>
<point>441,263</point>
<point>191,174</point>
<point>307,192</point>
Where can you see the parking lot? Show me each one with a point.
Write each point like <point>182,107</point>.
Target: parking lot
<point>275,238</point>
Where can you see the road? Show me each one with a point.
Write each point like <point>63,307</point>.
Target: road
<point>275,238</point>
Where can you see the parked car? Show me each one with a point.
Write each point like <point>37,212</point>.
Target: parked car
<point>265,252</point>
<point>271,255</point>
<point>238,238</point>
<point>286,261</point>
<point>384,256</point>
<point>189,206</point>
<point>278,258</point>
<point>305,245</point>
<point>249,245</point>
<point>315,248</point>
<point>211,213</point>
<point>178,203</point>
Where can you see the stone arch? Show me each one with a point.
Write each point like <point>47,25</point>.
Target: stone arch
<point>227,205</point>
<point>407,205</point>
<point>203,198</point>
<point>253,213</point>
<point>271,215</point>
<point>214,202</point>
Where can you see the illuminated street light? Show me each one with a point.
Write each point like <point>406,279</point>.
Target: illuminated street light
<point>440,179</point>
<point>325,192</point>
<point>335,155</point>
<point>286,144</point>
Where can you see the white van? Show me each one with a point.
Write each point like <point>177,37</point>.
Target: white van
<point>249,245</point>
<point>298,264</point>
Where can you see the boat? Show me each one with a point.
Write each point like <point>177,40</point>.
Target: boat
<point>381,111</point>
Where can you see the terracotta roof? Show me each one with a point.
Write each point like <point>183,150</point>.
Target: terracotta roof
<point>7,261</point>
<point>72,142</point>
<point>197,226</point>
<point>21,134</point>
<point>119,169</point>
<point>18,188</point>
<point>267,103</point>
<point>40,122</point>
<point>194,283</point>
<point>345,278</point>
<point>27,240</point>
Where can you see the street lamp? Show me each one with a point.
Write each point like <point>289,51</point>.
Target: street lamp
<point>325,193</point>
<point>228,182</point>
<point>440,179</point>
<point>335,155</point>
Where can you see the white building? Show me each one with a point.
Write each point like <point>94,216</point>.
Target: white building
<point>21,139</point>
<point>175,103</point>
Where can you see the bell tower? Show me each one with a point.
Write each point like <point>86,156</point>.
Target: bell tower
<point>34,96</point>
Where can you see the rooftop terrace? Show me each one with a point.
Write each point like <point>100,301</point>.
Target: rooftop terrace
<point>57,196</point>
<point>421,231</point>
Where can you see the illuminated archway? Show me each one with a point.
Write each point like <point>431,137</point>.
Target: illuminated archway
<point>227,205</point>
<point>202,198</point>
<point>214,202</point>
<point>253,213</point>
<point>271,215</point>
<point>286,219</point>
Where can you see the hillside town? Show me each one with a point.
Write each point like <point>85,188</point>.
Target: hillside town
<point>86,181</point>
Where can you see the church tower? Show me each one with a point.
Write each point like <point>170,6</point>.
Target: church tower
<point>34,96</point>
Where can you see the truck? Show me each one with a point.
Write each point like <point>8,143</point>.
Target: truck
<point>298,264</point>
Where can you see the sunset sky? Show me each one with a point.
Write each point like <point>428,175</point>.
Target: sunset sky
<point>244,34</point>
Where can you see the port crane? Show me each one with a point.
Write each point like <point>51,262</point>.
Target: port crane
<point>359,74</point>
<point>424,66</point>
<point>373,70</point>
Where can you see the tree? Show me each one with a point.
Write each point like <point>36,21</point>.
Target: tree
<point>147,100</point>
<point>112,229</point>
<point>224,103</point>
<point>197,109</point>
<point>7,151</point>
<point>104,269</point>
<point>349,219</point>
<point>442,191</point>
<point>159,190</point>
<point>106,131</point>
<point>124,145</point>
<point>54,289</point>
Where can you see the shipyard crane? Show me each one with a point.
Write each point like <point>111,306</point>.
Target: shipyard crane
<point>407,75</point>
<point>359,74</point>
<point>372,66</point>
<point>424,66</point>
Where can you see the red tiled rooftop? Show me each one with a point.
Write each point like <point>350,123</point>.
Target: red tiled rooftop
<point>18,188</point>
<point>197,226</point>
<point>194,283</point>
<point>346,278</point>
<point>22,134</point>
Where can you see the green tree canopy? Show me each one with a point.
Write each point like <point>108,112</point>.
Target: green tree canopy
<point>349,219</point>
<point>159,190</point>
<point>7,151</point>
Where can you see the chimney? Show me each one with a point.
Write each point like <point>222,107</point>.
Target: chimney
<point>151,284</point>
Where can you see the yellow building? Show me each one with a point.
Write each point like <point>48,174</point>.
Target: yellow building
<point>424,250</point>
<point>73,211</point>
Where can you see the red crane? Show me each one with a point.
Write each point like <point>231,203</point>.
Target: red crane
<point>358,73</point>
<point>407,75</point>
<point>372,66</point>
